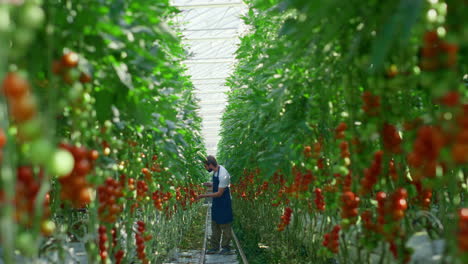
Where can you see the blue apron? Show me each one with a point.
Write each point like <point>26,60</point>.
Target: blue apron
<point>221,209</point>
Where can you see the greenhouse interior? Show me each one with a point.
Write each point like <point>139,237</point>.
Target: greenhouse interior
<point>234,131</point>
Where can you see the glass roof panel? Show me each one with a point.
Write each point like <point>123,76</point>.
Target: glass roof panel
<point>210,33</point>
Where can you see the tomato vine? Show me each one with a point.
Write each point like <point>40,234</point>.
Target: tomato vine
<point>369,100</point>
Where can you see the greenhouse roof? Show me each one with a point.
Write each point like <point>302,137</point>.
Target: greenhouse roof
<point>210,31</point>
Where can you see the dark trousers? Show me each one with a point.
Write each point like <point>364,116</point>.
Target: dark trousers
<point>217,231</point>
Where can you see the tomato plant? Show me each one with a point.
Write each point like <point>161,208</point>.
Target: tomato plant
<point>368,99</point>
<point>97,116</point>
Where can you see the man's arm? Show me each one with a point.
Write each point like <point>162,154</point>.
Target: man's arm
<point>217,194</point>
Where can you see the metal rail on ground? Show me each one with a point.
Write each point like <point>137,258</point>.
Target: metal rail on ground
<point>239,248</point>
<point>202,255</point>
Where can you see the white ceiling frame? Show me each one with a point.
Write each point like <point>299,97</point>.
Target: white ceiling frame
<point>218,102</point>
<point>209,5</point>
<point>211,39</point>
<point>213,58</point>
<point>210,30</point>
<point>211,78</point>
<point>213,61</point>
<point>211,92</point>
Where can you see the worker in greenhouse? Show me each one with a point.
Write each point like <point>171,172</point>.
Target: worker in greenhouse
<point>221,209</point>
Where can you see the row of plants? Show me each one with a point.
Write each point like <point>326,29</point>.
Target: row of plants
<point>346,131</point>
<point>99,136</point>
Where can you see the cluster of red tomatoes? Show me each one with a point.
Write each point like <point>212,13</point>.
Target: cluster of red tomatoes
<point>340,130</point>
<point>463,230</point>
<point>140,239</point>
<point>103,250</point>
<point>391,209</point>
<point>371,103</point>
<point>159,197</point>
<point>319,199</point>
<point>75,188</point>
<point>102,243</point>
<point>64,68</point>
<point>142,190</point>
<point>242,188</point>
<point>436,53</point>
<point>391,138</point>
<point>26,194</point>
<point>371,174</point>
<point>186,195</point>
<point>459,138</point>
<point>285,219</point>
<point>119,255</point>
<point>3,141</point>
<point>301,181</point>
<point>332,240</point>
<point>108,195</point>
<point>349,206</point>
<point>22,103</point>
<point>424,157</point>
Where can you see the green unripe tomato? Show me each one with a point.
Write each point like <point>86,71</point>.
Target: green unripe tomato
<point>345,223</point>
<point>76,92</point>
<point>41,151</point>
<point>29,130</point>
<point>341,170</point>
<point>61,163</point>
<point>23,37</point>
<point>48,227</point>
<point>31,16</point>
<point>25,243</point>
<point>5,22</point>
<point>107,124</point>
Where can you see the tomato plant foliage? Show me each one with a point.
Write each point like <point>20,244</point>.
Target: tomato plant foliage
<point>351,99</point>
<point>99,130</point>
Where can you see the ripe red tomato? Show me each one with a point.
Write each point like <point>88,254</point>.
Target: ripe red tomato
<point>451,98</point>
<point>24,108</point>
<point>114,209</point>
<point>145,171</point>
<point>25,174</point>
<point>139,240</point>
<point>398,214</point>
<point>57,67</point>
<point>70,60</point>
<point>381,196</point>
<point>348,196</point>
<point>85,197</point>
<point>82,167</point>
<point>79,153</point>
<point>3,138</point>
<point>93,155</point>
<point>119,254</point>
<point>401,204</point>
<point>85,78</point>
<point>463,214</point>
<point>431,37</point>
<point>14,86</point>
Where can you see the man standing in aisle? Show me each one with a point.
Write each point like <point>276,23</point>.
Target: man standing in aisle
<point>221,209</point>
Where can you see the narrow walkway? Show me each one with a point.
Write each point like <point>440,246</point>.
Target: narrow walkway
<point>196,257</point>
<point>216,258</point>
